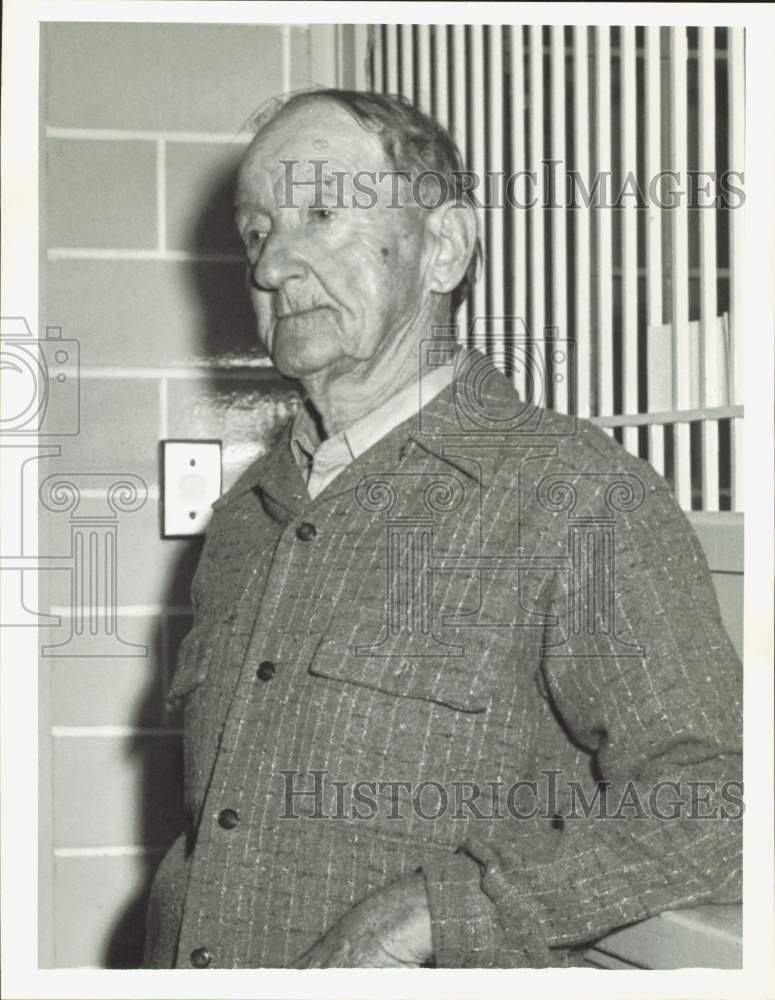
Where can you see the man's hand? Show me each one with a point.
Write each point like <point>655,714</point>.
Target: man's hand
<point>391,928</point>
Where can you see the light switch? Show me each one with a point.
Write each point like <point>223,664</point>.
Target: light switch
<point>191,483</point>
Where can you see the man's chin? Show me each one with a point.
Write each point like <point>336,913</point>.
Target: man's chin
<point>302,361</point>
<point>306,345</point>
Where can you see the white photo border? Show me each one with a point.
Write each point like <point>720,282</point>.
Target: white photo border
<point>19,696</point>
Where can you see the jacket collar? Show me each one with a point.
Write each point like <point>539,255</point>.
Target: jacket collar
<point>436,429</point>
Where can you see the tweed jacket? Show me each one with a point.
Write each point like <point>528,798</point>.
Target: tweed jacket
<point>490,650</point>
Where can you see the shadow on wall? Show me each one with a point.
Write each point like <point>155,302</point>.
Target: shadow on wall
<point>244,404</point>
<point>159,762</point>
<point>227,332</point>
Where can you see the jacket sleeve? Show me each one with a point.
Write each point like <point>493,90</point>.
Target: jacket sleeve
<point>663,731</point>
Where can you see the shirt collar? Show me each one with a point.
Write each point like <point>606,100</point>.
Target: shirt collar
<point>351,442</point>
<point>305,438</point>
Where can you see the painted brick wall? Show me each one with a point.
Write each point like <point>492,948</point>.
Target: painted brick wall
<point>141,133</point>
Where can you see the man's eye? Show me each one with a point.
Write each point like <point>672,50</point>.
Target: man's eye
<point>321,214</point>
<point>254,238</point>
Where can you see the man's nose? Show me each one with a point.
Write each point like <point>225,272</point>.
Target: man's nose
<point>278,261</point>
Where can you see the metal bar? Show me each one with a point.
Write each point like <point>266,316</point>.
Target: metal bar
<point>440,69</point>
<point>736,69</point>
<point>711,390</point>
<point>536,211</point>
<point>497,305</point>
<point>519,217</point>
<point>604,271</point>
<point>407,61</point>
<point>661,417</point>
<point>378,78</point>
<point>460,118</point>
<point>629,219</point>
<point>391,57</point>
<point>460,80</point>
<point>559,227</point>
<point>477,87</point>
<point>583,303</point>
<point>653,163</point>
<point>424,67</point>
<point>679,267</point>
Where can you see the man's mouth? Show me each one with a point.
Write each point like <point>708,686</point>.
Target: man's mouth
<point>293,313</point>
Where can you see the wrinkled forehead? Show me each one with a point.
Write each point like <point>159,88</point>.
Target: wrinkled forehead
<point>303,134</point>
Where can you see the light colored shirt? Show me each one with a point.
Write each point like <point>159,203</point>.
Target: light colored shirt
<point>322,461</point>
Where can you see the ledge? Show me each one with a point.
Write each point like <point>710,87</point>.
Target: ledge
<point>709,936</point>
<point>721,536</point>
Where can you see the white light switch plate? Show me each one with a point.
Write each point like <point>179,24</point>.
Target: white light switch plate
<point>191,483</point>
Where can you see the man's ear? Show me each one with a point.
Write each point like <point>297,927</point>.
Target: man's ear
<point>453,230</point>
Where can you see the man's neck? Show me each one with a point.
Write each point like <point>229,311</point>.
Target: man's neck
<point>342,398</point>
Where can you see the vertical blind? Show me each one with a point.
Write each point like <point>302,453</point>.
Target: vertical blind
<point>641,276</point>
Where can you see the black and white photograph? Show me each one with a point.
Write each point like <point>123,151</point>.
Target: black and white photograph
<point>387,443</point>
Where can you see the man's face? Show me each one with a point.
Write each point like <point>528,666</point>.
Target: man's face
<point>331,284</point>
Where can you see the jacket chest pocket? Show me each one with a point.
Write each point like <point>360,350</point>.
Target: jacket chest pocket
<point>461,673</point>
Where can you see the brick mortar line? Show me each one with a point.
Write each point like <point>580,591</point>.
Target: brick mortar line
<point>161,196</point>
<point>112,732</point>
<point>145,135</point>
<point>185,256</point>
<point>108,851</point>
<point>141,254</point>
<point>265,373</point>
<point>133,610</point>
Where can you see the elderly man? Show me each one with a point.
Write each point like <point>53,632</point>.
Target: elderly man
<point>457,692</point>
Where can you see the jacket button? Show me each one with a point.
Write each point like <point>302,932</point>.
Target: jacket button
<point>201,958</point>
<point>228,818</point>
<point>265,670</point>
<point>306,531</point>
